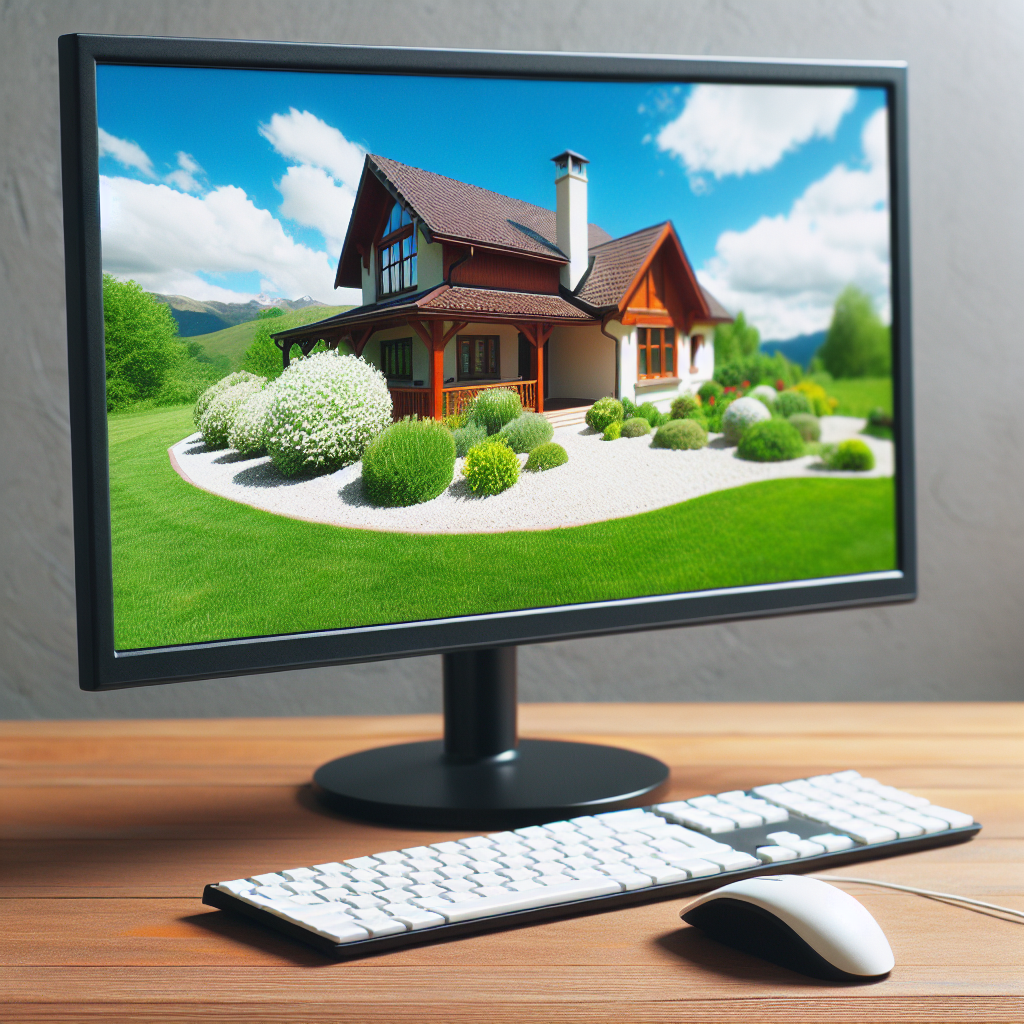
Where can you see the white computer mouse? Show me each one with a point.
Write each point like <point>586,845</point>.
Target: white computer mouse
<point>798,922</point>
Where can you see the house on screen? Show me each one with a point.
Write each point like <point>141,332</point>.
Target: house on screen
<point>465,289</point>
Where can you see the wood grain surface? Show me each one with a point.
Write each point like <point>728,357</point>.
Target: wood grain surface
<point>109,830</point>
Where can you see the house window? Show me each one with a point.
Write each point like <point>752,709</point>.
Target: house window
<point>655,352</point>
<point>479,358</point>
<point>396,359</point>
<point>396,254</point>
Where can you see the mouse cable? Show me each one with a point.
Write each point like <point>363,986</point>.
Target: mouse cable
<point>919,892</point>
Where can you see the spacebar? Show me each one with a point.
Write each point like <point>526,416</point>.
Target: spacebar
<point>561,892</point>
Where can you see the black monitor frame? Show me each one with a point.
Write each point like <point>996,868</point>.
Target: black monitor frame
<point>103,668</point>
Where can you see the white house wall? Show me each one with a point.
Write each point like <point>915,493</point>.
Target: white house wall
<point>705,355</point>
<point>649,391</point>
<point>581,363</point>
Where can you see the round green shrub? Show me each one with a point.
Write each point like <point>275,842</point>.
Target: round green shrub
<point>710,389</point>
<point>454,421</point>
<point>324,412</point>
<point>683,406</point>
<point>808,426</point>
<point>650,412</point>
<point>765,393</point>
<point>680,434</point>
<point>467,436</point>
<point>771,441</point>
<point>603,412</point>
<point>491,467</point>
<point>527,431</point>
<point>410,462</point>
<point>742,414</point>
<point>628,408</point>
<point>546,456</point>
<point>494,407</point>
<point>613,431</point>
<point>852,455</point>
<point>636,427</point>
<point>204,400</point>
<point>248,433</point>
<point>219,418</point>
<point>789,403</point>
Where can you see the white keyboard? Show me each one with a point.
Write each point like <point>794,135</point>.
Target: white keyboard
<point>359,906</point>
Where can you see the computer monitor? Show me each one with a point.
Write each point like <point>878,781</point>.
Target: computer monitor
<point>385,352</point>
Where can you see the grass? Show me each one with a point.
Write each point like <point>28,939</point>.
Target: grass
<point>190,566</point>
<point>858,395</point>
<point>233,341</point>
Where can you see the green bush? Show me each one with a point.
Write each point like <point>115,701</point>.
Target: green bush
<point>248,433</point>
<point>710,389</point>
<point>650,412</point>
<point>636,427</point>
<point>808,426</point>
<point>219,419</point>
<point>491,467</point>
<point>467,436</point>
<point>454,421</point>
<point>741,415</point>
<point>546,456</point>
<point>603,412</point>
<point>714,411</point>
<point>680,434</point>
<point>493,408</point>
<point>325,410</point>
<point>852,455</point>
<point>410,462</point>
<point>613,431</point>
<point>683,406</point>
<point>765,393</point>
<point>789,403</point>
<point>527,431</point>
<point>217,389</point>
<point>771,441</point>
<point>628,408</point>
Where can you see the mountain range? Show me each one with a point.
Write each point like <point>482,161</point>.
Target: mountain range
<point>800,349</point>
<point>195,317</point>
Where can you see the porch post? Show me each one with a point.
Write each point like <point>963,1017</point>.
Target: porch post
<point>538,355</point>
<point>437,343</point>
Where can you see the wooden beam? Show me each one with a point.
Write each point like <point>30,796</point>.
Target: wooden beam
<point>436,346</point>
<point>424,332</point>
<point>457,326</point>
<point>358,344</point>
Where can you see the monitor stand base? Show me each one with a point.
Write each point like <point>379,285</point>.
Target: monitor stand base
<point>480,776</point>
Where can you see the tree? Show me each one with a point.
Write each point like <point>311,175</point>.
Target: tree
<point>857,343</point>
<point>736,341</point>
<point>268,314</point>
<point>141,341</point>
<point>263,357</point>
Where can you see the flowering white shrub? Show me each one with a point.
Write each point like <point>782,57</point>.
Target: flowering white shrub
<point>219,418</point>
<point>204,400</point>
<point>248,433</point>
<point>740,415</point>
<point>324,411</point>
<point>764,393</point>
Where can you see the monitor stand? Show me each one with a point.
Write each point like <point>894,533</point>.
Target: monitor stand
<point>481,776</point>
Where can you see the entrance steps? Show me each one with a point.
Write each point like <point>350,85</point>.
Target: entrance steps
<point>573,417</point>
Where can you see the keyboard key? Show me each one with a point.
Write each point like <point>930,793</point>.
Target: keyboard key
<point>458,885</point>
<point>904,829</point>
<point>378,924</point>
<point>867,832</point>
<point>415,917</point>
<point>304,886</point>
<point>955,819</point>
<point>775,854</point>
<point>544,897</point>
<point>734,860</point>
<point>629,879</point>
<point>299,874</point>
<point>334,894</point>
<point>343,929</point>
<point>832,843</point>
<point>237,887</point>
<point>926,821</point>
<point>697,867</point>
<point>271,878</point>
<point>684,814</point>
<point>659,872</point>
<point>362,902</point>
<point>330,868</point>
<point>783,838</point>
<point>364,863</point>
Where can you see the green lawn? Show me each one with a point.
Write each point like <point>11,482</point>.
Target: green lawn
<point>859,395</point>
<point>233,341</point>
<point>189,566</point>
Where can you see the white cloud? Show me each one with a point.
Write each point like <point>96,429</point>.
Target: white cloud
<point>744,129</point>
<point>184,177</point>
<point>313,198</point>
<point>128,154</point>
<point>163,238</point>
<point>785,272</point>
<point>303,137</point>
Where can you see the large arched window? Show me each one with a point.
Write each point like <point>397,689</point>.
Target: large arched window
<point>396,253</point>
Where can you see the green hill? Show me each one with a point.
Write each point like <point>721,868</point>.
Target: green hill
<point>233,341</point>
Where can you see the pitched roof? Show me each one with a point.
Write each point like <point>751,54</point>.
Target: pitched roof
<point>718,311</point>
<point>456,211</point>
<point>616,264</point>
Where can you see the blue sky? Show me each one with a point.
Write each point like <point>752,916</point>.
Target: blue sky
<point>223,184</point>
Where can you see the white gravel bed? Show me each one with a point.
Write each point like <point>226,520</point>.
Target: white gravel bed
<point>602,480</point>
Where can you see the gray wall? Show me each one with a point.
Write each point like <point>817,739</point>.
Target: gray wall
<point>964,638</point>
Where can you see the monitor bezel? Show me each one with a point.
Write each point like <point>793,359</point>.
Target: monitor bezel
<point>101,667</point>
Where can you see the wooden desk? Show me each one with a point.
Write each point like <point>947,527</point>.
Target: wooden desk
<point>110,830</point>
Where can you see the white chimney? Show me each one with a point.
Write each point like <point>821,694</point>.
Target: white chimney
<point>571,215</point>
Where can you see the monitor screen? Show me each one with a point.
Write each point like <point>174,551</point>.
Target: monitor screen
<point>381,352</point>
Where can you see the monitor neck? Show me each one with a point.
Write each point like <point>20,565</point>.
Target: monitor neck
<point>480,705</point>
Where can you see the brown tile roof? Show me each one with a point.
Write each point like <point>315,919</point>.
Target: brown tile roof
<point>501,303</point>
<point>452,209</point>
<point>615,266</point>
<point>718,311</point>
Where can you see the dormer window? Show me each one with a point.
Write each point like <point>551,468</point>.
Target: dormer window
<point>396,253</point>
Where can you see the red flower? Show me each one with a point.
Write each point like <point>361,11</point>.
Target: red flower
<point>780,385</point>
<point>711,399</point>
<point>746,383</point>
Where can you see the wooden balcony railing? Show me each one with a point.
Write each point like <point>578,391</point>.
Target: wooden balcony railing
<point>457,398</point>
<point>410,402</point>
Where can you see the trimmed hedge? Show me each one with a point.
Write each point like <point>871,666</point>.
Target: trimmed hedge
<point>789,403</point>
<point>546,456</point>
<point>214,390</point>
<point>741,415</point>
<point>527,431</point>
<point>467,436</point>
<point>248,433</point>
<point>636,427</point>
<point>613,431</point>
<point>411,462</point>
<point>650,412</point>
<point>852,455</point>
<point>809,427</point>
<point>774,440</point>
<point>710,389</point>
<point>680,435</point>
<point>491,467</point>
<point>765,393</point>
<point>683,405</point>
<point>218,421</point>
<point>603,412</point>
<point>493,408</point>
